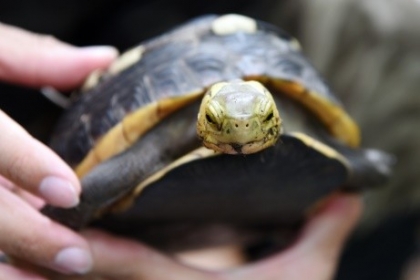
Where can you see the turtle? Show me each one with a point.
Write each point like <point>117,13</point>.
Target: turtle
<point>220,130</point>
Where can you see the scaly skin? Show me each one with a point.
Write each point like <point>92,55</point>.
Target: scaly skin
<point>238,117</point>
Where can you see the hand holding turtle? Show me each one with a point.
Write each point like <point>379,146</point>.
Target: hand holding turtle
<point>314,255</point>
<point>30,172</point>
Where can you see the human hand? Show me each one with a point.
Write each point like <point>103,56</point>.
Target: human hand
<point>313,256</point>
<point>30,173</point>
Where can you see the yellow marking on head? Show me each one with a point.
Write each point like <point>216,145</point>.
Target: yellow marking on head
<point>214,89</point>
<point>238,117</point>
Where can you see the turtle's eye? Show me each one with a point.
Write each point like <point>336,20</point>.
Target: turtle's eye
<point>269,116</point>
<point>210,119</point>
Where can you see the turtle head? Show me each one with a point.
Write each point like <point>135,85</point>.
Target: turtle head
<point>238,117</point>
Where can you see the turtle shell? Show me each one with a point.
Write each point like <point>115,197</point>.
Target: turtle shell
<point>152,80</point>
<point>130,135</point>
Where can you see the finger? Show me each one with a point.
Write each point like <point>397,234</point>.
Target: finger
<point>315,254</point>
<point>324,236</point>
<point>28,235</point>
<point>31,165</point>
<point>117,258</point>
<point>214,258</point>
<point>31,199</point>
<point>10,272</point>
<point>39,60</point>
<point>7,184</point>
<point>329,229</point>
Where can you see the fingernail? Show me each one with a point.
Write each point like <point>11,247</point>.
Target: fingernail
<point>100,51</point>
<point>58,192</point>
<point>73,260</point>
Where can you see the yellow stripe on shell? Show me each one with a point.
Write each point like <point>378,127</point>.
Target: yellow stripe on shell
<point>130,129</point>
<point>126,202</point>
<point>320,147</point>
<point>337,121</point>
<point>203,152</point>
<point>328,152</point>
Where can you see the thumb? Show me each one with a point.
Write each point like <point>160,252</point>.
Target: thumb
<point>324,236</point>
<point>316,252</point>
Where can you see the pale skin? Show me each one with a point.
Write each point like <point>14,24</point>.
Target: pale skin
<point>31,174</point>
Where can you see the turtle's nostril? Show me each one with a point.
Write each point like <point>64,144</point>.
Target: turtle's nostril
<point>247,125</point>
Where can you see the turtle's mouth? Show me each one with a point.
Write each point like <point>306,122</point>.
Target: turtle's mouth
<point>238,148</point>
